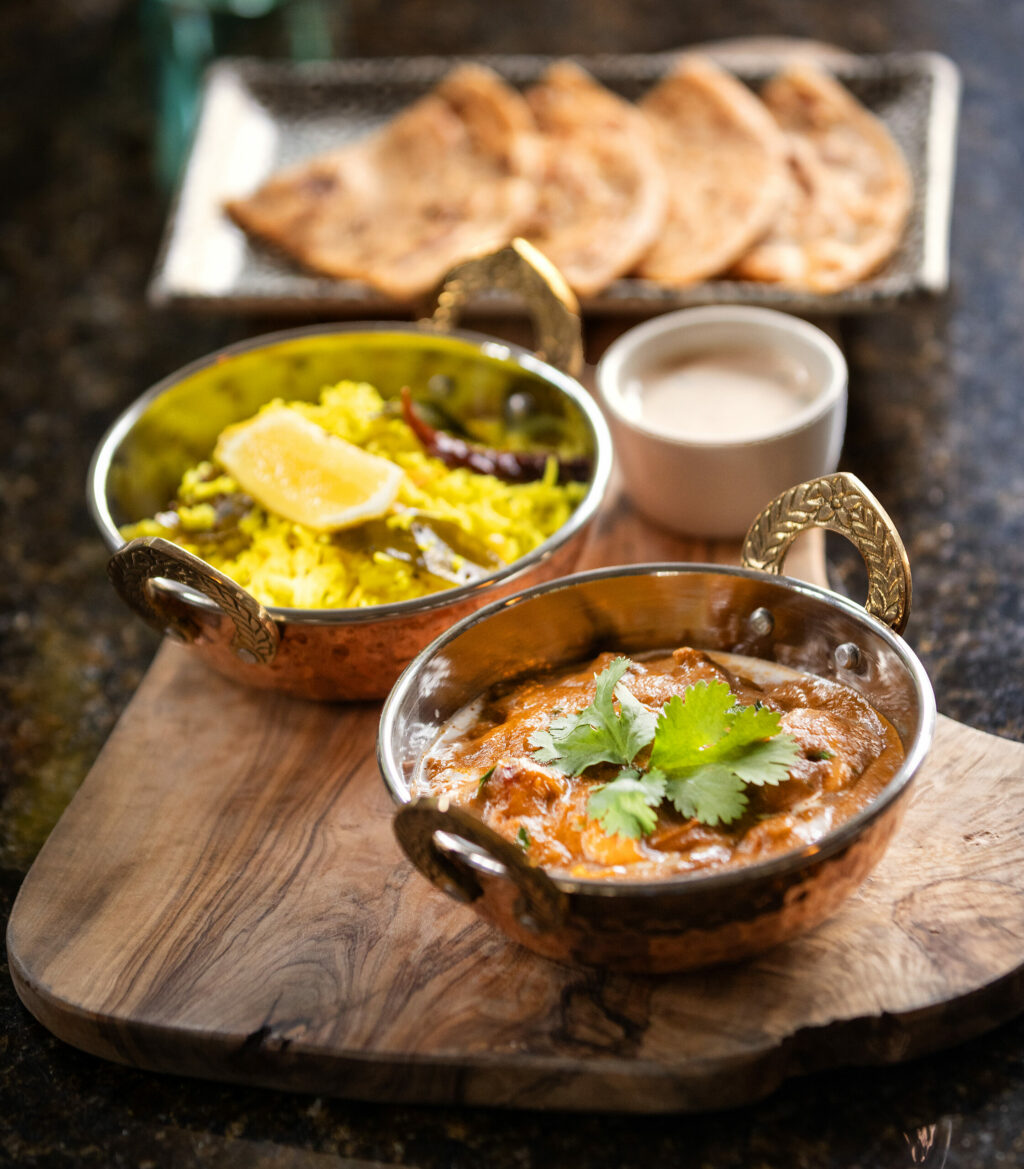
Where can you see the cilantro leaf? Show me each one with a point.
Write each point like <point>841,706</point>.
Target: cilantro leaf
<point>712,794</point>
<point>690,725</point>
<point>482,782</point>
<point>574,748</point>
<point>750,724</point>
<point>705,751</point>
<point>709,750</point>
<point>599,733</point>
<point>637,722</point>
<point>767,762</point>
<point>628,805</point>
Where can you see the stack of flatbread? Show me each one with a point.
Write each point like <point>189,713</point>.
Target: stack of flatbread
<point>702,178</point>
<point>452,175</point>
<point>848,190</point>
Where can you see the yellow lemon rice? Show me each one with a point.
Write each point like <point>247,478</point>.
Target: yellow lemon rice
<point>288,565</point>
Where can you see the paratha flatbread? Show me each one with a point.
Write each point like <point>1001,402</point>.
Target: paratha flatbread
<point>848,189</point>
<point>452,175</point>
<point>602,196</point>
<point>723,156</point>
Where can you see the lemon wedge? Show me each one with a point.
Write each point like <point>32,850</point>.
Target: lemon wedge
<point>302,472</point>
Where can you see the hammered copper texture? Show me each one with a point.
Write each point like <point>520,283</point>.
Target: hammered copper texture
<point>333,654</point>
<point>357,661</point>
<point>683,921</point>
<point>673,931</point>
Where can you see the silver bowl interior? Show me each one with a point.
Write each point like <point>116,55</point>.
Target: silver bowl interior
<point>139,463</point>
<point>650,607</point>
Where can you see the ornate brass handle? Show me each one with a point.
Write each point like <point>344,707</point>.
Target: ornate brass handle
<point>134,568</point>
<point>541,903</point>
<point>842,504</point>
<point>522,269</point>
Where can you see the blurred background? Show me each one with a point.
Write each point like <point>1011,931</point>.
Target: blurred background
<point>97,100</point>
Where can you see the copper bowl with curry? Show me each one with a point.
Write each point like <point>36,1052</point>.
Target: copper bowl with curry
<point>666,766</point>
<point>352,651</point>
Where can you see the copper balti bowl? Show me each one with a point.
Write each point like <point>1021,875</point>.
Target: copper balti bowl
<point>690,920</point>
<point>337,653</point>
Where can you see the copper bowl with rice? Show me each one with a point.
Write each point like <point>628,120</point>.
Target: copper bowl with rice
<point>331,653</point>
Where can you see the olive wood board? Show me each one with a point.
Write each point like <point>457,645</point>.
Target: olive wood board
<point>224,898</point>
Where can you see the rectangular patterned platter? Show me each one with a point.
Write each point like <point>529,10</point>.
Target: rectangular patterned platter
<point>257,116</point>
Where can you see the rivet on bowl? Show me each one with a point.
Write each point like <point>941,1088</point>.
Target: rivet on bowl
<point>761,622</point>
<point>848,657</point>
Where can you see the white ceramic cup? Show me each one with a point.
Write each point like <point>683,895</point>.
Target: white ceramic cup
<point>716,486</point>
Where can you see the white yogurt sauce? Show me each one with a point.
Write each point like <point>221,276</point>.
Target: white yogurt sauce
<point>735,393</point>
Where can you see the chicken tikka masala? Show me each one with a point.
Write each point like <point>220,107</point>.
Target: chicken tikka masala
<point>677,762</point>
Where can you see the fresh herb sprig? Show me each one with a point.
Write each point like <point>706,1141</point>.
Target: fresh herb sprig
<point>706,750</point>
<point>599,733</point>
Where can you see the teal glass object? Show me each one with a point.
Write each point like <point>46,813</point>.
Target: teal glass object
<point>183,37</point>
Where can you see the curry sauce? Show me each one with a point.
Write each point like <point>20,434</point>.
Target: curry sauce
<point>483,760</point>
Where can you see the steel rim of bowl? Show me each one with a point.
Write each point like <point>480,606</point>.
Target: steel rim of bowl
<point>827,846</point>
<point>493,347</point>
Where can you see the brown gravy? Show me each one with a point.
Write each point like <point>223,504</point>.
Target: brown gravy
<point>847,753</point>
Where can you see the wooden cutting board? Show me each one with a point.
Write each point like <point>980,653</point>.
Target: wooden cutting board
<point>224,898</point>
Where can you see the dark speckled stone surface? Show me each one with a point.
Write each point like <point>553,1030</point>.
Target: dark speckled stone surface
<point>937,414</point>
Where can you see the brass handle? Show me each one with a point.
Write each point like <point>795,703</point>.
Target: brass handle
<point>134,569</point>
<point>842,504</point>
<point>522,269</point>
<point>541,903</point>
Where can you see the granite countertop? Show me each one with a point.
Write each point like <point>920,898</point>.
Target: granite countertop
<point>936,417</point>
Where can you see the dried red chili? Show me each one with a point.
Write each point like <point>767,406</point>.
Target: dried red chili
<point>510,466</point>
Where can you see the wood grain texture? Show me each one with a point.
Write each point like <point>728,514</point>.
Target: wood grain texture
<point>224,898</point>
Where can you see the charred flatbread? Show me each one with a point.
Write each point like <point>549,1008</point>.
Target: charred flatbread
<point>722,153</point>
<point>450,176</point>
<point>602,196</point>
<point>848,189</point>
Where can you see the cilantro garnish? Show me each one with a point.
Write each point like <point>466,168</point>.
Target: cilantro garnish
<point>705,751</point>
<point>709,749</point>
<point>628,805</point>
<point>599,733</point>
<point>482,783</point>
<point>523,837</point>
